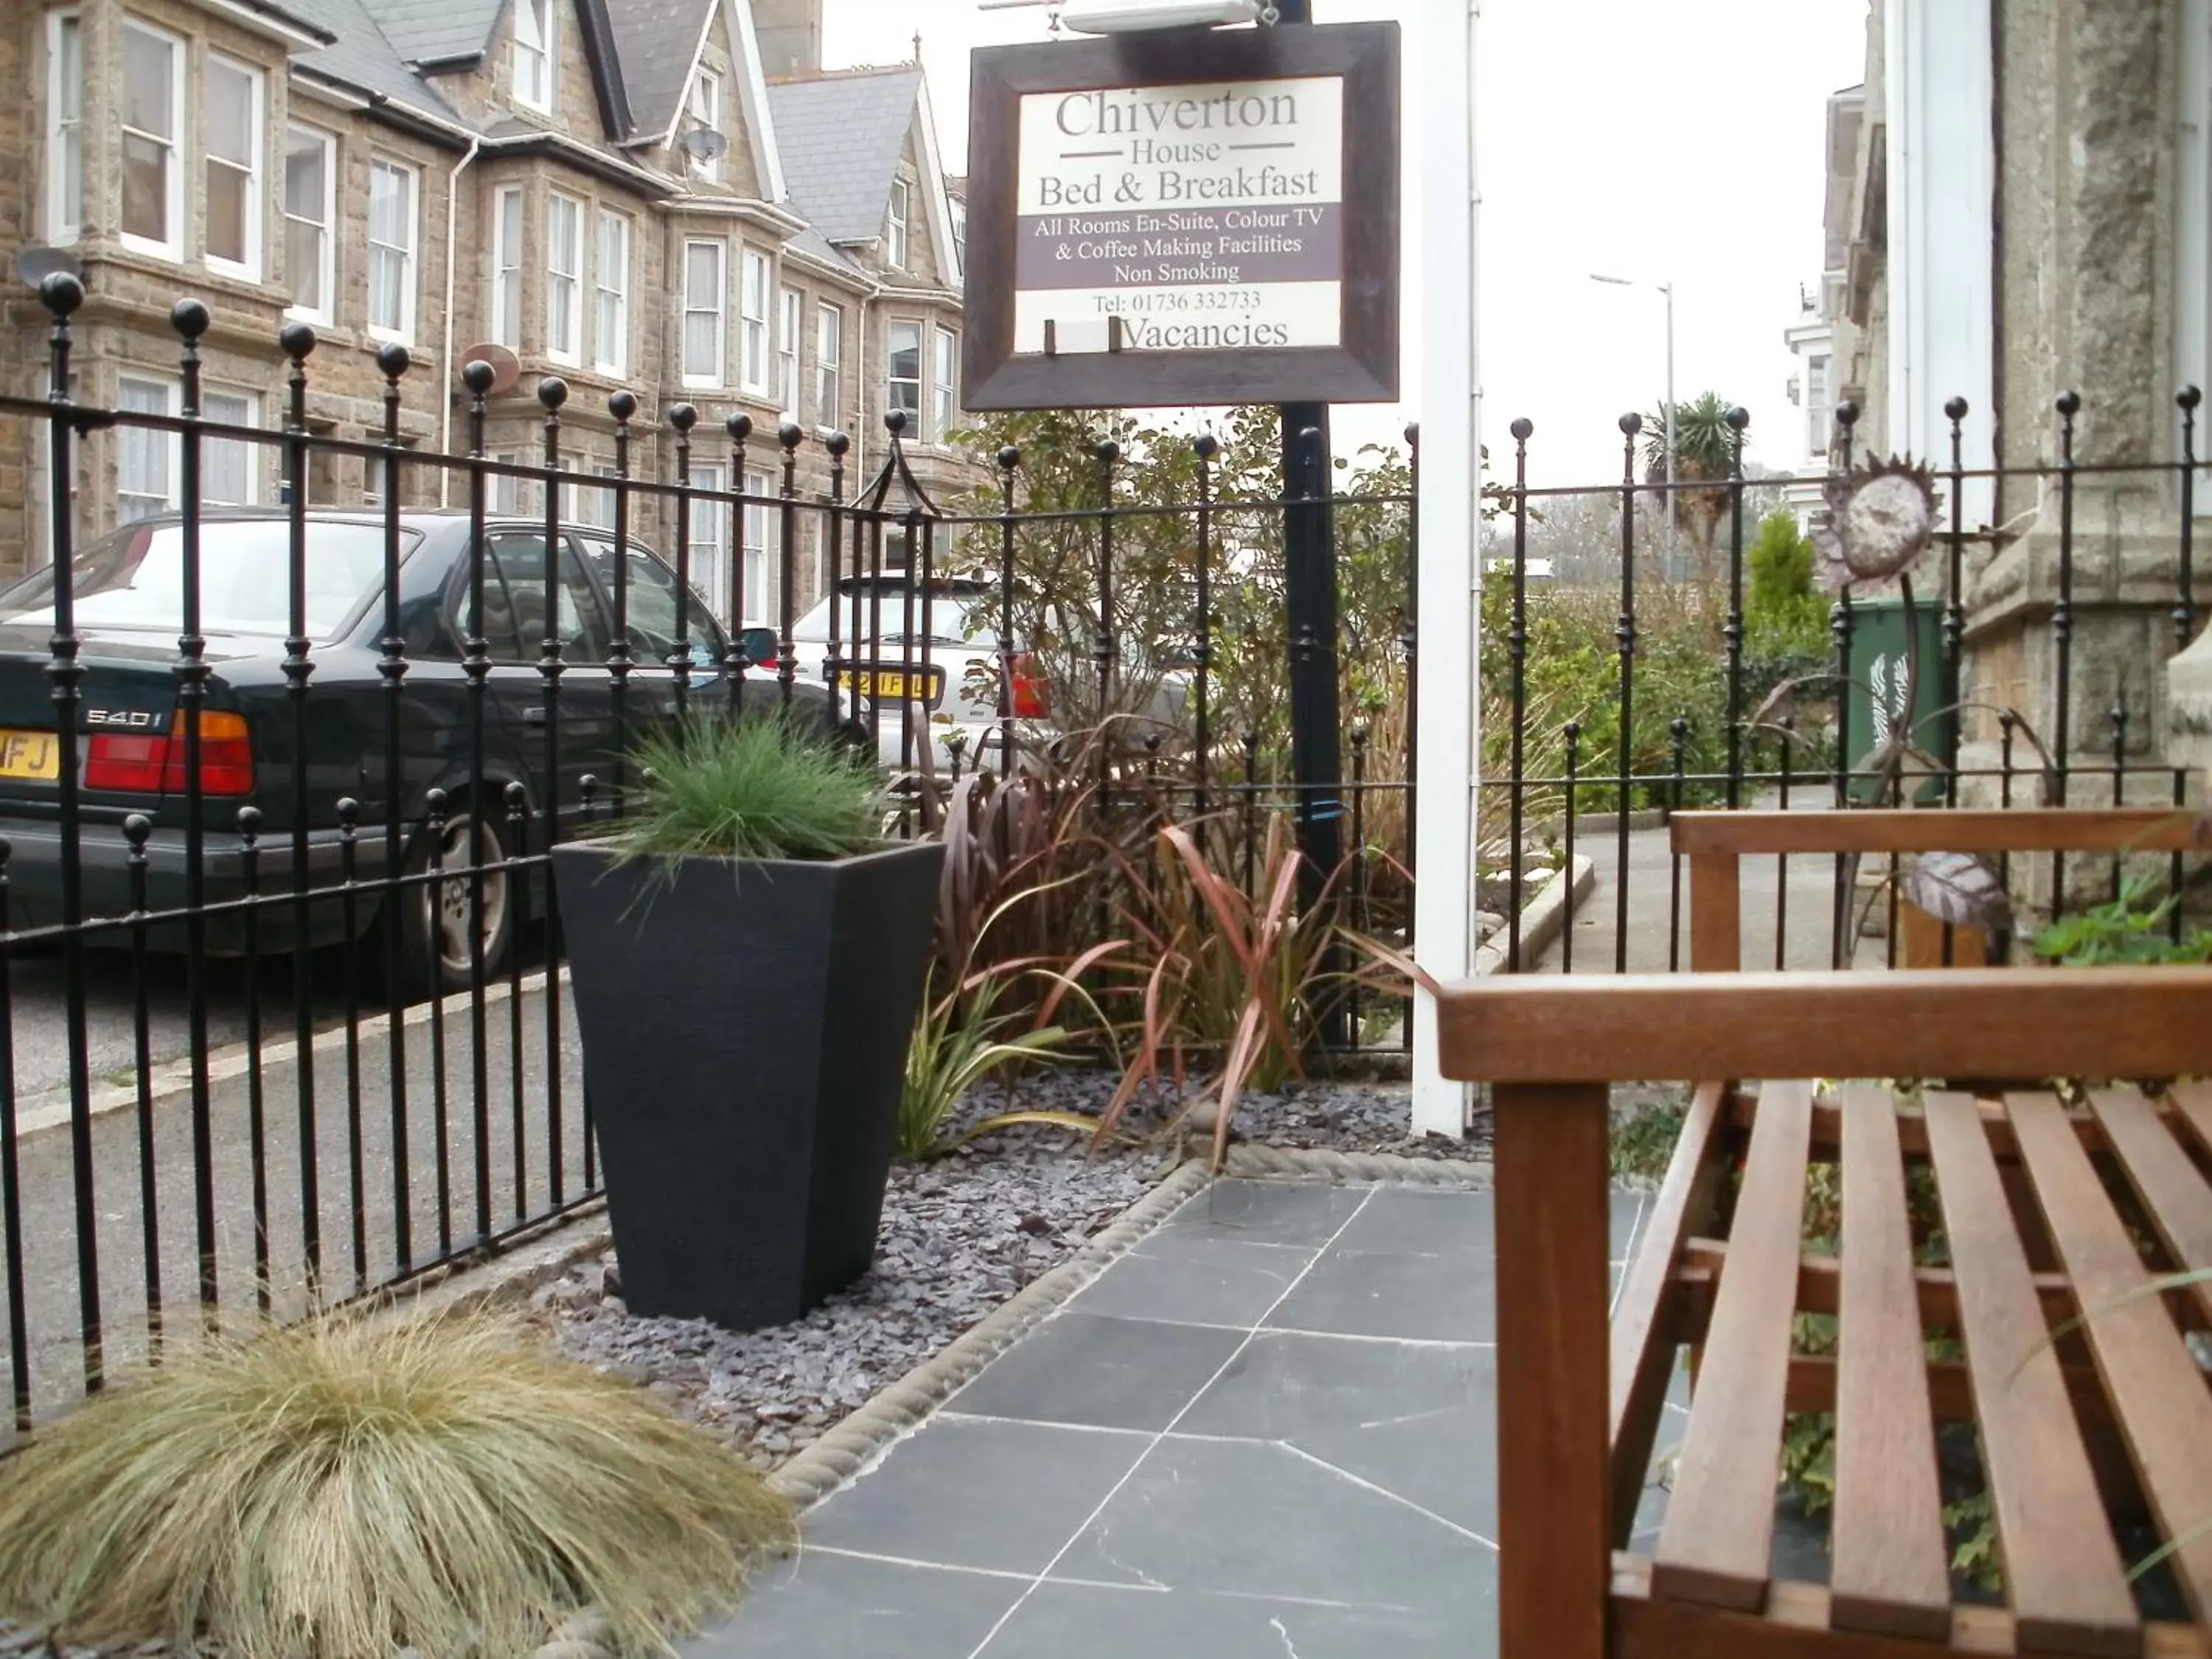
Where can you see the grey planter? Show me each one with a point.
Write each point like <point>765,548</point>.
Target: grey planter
<point>746,1028</point>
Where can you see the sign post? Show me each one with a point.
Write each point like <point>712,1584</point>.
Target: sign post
<point>1310,595</point>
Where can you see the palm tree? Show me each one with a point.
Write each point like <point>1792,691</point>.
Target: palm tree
<point>1705,453</point>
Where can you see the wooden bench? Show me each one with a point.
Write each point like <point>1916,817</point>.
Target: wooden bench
<point>2044,1204</point>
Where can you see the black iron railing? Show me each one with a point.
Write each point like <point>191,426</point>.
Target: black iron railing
<point>293,1032</point>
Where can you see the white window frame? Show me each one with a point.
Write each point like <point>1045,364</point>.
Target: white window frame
<point>159,443</point>
<point>959,209</point>
<point>790,311</point>
<point>326,275</point>
<point>720,311</point>
<point>1819,401</point>
<point>704,104</point>
<point>257,144</point>
<point>898,243</point>
<point>610,244</point>
<point>503,491</point>
<point>564,290</point>
<point>756,545</point>
<point>829,363</point>
<point>509,232</point>
<point>943,383</point>
<point>172,247</point>
<point>244,410</point>
<point>755,282</point>
<point>65,134</point>
<point>547,52</point>
<point>591,499</point>
<point>913,412</point>
<point>710,539</point>
<point>411,255</point>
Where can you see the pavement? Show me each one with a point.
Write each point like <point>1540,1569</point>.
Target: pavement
<point>1267,1432</point>
<point>1788,911</point>
<point>342,1135</point>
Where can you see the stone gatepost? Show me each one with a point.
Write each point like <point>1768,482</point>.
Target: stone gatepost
<point>2071,617</point>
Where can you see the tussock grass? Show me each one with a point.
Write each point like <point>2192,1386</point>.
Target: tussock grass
<point>342,1490</point>
<point>750,789</point>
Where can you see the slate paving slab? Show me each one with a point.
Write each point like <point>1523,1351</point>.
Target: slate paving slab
<point>1101,1373</point>
<point>960,1492</point>
<point>1267,1430</point>
<point>1432,1298</point>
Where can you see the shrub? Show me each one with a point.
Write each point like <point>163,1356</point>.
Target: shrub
<point>1572,672</point>
<point>750,789</point>
<point>342,1489</point>
<point>960,1040</point>
<point>1785,615</point>
<point>2131,930</point>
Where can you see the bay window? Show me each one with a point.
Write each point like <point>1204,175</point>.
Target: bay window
<point>611,312</point>
<point>564,276</point>
<point>392,244</point>
<point>752,321</point>
<point>310,223</point>
<point>231,122</point>
<point>506,267</point>
<point>153,101</point>
<point>705,301</point>
<point>903,372</point>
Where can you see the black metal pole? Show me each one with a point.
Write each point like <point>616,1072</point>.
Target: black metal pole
<point>1310,577</point>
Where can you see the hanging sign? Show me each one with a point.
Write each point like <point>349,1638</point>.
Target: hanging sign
<point>1206,218</point>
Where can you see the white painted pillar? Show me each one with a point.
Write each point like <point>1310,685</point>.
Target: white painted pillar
<point>1942,193</point>
<point>1451,487</point>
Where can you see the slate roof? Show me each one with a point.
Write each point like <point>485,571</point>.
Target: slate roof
<point>654,40</point>
<point>363,57</point>
<point>839,136</point>
<point>429,31</point>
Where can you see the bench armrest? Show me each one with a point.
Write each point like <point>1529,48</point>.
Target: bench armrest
<point>1956,829</point>
<point>2013,1022</point>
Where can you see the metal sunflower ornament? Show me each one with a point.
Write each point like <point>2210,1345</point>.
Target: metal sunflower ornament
<point>1881,516</point>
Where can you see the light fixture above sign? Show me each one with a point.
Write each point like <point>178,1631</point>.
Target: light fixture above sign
<point>1140,16</point>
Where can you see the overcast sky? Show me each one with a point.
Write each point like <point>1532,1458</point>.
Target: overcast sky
<point>1661,141</point>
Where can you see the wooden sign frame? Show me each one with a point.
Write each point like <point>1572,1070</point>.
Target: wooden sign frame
<point>1362,368</point>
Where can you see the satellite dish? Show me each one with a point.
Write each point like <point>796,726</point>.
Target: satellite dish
<point>506,368</point>
<point>703,145</point>
<point>34,264</point>
<point>1141,16</point>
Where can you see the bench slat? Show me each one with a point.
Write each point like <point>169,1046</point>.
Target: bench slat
<point>2064,1578</point>
<point>2194,1102</point>
<point>2157,1391</point>
<point>1891,1565</point>
<point>2180,1199</point>
<point>1643,1345</point>
<point>1715,1546</point>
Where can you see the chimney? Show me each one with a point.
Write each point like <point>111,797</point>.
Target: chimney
<point>790,35</point>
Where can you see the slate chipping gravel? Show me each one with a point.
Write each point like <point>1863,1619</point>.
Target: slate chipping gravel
<point>960,1236</point>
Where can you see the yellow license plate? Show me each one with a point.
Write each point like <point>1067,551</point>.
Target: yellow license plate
<point>892,685</point>
<point>30,755</point>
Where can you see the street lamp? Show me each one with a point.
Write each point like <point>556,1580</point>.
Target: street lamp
<point>1667,288</point>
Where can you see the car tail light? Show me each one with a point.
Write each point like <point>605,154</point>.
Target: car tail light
<point>155,765</point>
<point>1032,701</point>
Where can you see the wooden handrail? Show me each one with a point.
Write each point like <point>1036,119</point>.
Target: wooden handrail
<point>1956,829</point>
<point>1936,1023</point>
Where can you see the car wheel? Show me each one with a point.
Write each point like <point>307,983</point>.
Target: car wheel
<point>435,917</point>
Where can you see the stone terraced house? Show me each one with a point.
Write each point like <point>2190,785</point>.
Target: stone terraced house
<point>617,192</point>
